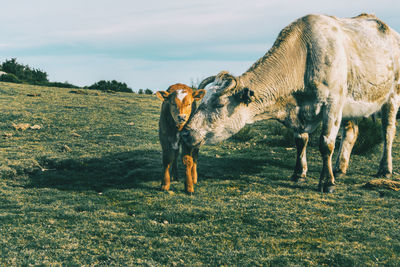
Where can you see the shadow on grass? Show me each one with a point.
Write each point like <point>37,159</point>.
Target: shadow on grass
<point>121,170</point>
<point>134,169</point>
<point>228,167</point>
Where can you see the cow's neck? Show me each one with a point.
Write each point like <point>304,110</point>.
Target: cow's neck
<point>275,76</point>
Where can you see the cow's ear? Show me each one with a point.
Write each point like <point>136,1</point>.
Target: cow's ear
<point>245,96</point>
<point>198,94</point>
<point>163,95</point>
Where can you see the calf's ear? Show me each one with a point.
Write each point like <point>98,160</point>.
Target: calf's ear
<point>198,94</point>
<point>163,95</point>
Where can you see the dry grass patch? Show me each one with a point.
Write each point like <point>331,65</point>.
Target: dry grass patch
<point>383,184</point>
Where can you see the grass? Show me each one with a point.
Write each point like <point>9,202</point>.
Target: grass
<point>98,203</point>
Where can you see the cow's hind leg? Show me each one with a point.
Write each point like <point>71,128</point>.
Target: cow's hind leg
<point>349,137</point>
<point>300,170</point>
<point>389,111</point>
<point>330,127</point>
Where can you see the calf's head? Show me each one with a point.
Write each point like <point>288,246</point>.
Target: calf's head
<point>223,111</point>
<point>180,99</point>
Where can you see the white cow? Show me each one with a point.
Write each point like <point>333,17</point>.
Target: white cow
<point>321,68</point>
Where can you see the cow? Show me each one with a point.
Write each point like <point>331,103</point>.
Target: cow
<point>320,69</point>
<point>179,102</point>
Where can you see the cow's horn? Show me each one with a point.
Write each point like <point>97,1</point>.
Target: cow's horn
<point>206,82</point>
<point>232,83</point>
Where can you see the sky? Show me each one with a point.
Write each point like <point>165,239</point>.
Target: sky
<point>154,44</point>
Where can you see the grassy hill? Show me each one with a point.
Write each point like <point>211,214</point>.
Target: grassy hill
<point>83,190</point>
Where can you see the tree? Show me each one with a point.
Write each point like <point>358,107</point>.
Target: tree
<point>110,86</point>
<point>24,73</point>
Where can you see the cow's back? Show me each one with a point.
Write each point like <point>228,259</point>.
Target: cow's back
<point>362,53</point>
<point>373,57</point>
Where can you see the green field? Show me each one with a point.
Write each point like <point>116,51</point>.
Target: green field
<point>84,190</point>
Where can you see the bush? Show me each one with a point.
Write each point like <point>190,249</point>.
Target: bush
<point>11,78</point>
<point>111,86</point>
<point>62,85</point>
<point>148,92</point>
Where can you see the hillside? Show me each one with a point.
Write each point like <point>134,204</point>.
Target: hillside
<point>81,188</point>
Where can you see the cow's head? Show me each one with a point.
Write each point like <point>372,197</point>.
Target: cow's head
<point>223,111</point>
<point>180,98</point>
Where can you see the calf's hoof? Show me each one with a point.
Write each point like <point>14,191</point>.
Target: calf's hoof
<point>320,188</point>
<point>190,194</point>
<point>165,187</point>
<point>189,190</point>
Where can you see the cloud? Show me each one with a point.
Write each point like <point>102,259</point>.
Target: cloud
<point>137,73</point>
<point>135,41</point>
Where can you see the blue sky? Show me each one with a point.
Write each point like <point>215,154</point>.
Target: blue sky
<point>153,44</point>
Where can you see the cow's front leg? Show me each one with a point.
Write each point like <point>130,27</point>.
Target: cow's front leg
<point>300,170</point>
<point>349,137</point>
<point>389,111</point>
<point>330,128</point>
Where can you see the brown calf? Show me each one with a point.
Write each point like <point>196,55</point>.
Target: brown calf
<point>179,101</point>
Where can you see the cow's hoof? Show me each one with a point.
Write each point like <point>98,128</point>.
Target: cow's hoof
<point>298,178</point>
<point>339,174</point>
<point>386,175</point>
<point>329,189</point>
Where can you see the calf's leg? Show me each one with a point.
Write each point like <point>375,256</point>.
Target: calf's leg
<point>187,159</point>
<point>174,171</point>
<point>168,161</point>
<point>195,155</point>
